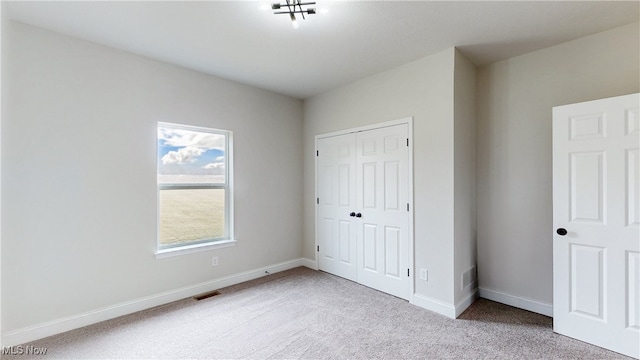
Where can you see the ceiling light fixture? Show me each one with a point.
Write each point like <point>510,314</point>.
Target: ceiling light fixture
<point>293,7</point>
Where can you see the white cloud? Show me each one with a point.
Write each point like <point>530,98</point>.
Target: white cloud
<point>215,165</point>
<point>193,139</point>
<point>182,156</point>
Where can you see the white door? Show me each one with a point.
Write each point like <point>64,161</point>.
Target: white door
<point>336,183</point>
<point>596,216</point>
<point>362,217</point>
<point>382,200</point>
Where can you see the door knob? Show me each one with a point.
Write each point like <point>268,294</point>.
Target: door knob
<point>352,214</point>
<point>358,215</point>
<point>561,231</point>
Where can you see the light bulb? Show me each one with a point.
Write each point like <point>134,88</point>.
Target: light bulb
<point>294,21</point>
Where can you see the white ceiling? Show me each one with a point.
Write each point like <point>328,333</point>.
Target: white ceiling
<point>240,41</point>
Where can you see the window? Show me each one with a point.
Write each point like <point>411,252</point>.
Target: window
<point>194,187</point>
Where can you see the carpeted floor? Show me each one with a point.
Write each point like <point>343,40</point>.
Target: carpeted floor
<point>302,313</point>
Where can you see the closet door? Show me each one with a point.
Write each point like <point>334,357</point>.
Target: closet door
<point>335,226</point>
<point>382,163</point>
<point>362,223</point>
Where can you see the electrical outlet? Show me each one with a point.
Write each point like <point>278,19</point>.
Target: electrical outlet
<point>214,261</point>
<point>424,275</point>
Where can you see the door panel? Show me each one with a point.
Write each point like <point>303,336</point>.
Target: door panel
<point>633,187</point>
<point>590,126</point>
<point>368,181</point>
<point>392,185</point>
<point>595,198</point>
<point>587,187</point>
<point>633,294</point>
<point>325,184</point>
<point>369,247</point>
<point>587,280</point>
<point>326,232</point>
<point>344,183</point>
<point>345,241</point>
<point>392,251</point>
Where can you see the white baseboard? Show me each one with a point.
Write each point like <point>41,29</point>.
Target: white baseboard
<point>49,328</point>
<point>466,302</point>
<point>434,305</point>
<point>516,301</point>
<point>311,264</point>
<point>442,308</point>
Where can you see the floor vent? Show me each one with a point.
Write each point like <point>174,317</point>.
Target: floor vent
<point>207,295</point>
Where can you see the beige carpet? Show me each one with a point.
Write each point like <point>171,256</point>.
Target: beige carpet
<point>313,315</point>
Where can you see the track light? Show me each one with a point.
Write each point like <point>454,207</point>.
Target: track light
<point>293,7</point>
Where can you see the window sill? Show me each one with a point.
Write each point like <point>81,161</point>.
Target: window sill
<point>190,249</point>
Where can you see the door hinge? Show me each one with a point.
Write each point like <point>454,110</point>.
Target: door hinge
<point>318,248</point>
<point>317,152</point>
<point>407,141</point>
<point>408,272</point>
<point>407,206</point>
<point>317,200</point>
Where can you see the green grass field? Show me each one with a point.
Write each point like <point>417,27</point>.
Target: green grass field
<point>188,215</point>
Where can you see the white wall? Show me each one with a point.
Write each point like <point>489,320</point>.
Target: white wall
<point>79,175</point>
<point>514,101</point>
<point>423,89</point>
<point>464,133</point>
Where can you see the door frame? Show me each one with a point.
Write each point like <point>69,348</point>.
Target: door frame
<point>409,122</point>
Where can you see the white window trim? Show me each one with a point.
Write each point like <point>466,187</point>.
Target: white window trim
<point>194,248</point>
<point>229,239</point>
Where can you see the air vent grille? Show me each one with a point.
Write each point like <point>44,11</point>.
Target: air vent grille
<point>207,295</point>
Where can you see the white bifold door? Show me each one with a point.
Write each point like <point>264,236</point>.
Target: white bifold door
<point>362,222</point>
<point>596,216</point>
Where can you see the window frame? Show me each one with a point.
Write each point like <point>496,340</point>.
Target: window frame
<point>199,245</point>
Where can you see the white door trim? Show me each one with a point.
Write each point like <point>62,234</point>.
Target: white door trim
<point>409,122</point>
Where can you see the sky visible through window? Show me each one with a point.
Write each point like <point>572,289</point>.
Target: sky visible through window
<point>186,156</point>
